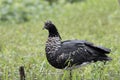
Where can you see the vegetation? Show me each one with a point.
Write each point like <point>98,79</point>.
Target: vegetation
<point>22,44</point>
<point>24,10</point>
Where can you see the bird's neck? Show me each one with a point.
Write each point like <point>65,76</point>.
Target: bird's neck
<point>53,32</point>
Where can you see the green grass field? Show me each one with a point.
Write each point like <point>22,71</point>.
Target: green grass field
<point>23,44</point>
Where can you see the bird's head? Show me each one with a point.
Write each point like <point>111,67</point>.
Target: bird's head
<point>53,32</point>
<point>48,25</point>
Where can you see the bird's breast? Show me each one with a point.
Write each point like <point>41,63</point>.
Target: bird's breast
<point>52,45</point>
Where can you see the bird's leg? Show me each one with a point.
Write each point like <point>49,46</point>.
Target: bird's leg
<point>70,74</point>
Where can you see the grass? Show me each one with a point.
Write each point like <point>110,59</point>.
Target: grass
<point>23,44</point>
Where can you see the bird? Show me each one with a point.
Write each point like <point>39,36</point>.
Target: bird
<point>71,54</point>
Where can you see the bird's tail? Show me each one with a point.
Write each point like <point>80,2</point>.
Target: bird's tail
<point>104,58</point>
<point>99,48</point>
<point>101,52</point>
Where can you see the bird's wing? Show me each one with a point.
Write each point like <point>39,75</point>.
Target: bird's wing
<point>81,51</point>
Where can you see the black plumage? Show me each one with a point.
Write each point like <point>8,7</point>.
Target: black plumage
<point>71,53</point>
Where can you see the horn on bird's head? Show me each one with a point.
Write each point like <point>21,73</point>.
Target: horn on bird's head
<point>48,22</point>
